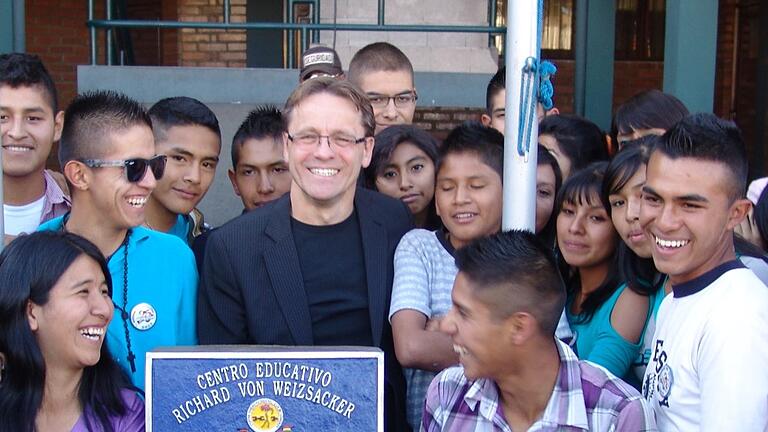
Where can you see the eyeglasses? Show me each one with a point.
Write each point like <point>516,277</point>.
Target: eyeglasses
<point>135,168</point>
<point>401,100</point>
<point>312,140</point>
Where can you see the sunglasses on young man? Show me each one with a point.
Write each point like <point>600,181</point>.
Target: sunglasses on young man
<point>135,168</point>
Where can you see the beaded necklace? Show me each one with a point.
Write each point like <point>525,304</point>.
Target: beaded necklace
<point>123,312</point>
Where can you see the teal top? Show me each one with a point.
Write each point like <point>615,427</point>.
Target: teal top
<point>597,341</point>
<point>181,228</point>
<point>162,274</point>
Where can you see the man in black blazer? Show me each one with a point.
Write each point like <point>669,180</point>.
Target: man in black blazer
<point>315,266</point>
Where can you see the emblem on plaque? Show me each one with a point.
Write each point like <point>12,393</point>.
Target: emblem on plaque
<point>265,415</point>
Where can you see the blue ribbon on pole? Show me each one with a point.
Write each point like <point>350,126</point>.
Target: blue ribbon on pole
<point>536,76</point>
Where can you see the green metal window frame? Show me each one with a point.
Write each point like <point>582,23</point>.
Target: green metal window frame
<point>108,25</point>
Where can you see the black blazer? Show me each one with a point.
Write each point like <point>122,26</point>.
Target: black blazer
<point>252,291</point>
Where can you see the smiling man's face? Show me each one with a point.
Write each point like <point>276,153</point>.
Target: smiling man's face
<point>29,128</point>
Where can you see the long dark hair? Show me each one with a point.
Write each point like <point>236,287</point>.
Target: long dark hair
<point>544,157</point>
<point>29,268</point>
<point>640,273</point>
<point>385,144</point>
<point>584,186</point>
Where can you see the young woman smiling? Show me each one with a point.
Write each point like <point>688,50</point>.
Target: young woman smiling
<point>607,319</point>
<point>622,190</point>
<point>55,306</point>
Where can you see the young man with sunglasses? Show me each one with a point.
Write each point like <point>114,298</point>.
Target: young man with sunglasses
<point>385,75</point>
<point>313,267</point>
<point>108,156</point>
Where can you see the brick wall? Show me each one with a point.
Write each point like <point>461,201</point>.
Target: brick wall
<point>629,79</point>
<point>219,48</point>
<point>440,120</point>
<point>724,66</point>
<point>56,32</point>
<point>735,100</point>
<point>153,47</point>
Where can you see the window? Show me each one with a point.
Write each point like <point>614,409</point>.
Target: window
<point>557,32</point>
<point>640,30</point>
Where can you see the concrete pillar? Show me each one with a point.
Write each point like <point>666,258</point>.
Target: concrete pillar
<point>595,29</point>
<point>6,26</point>
<point>690,52</point>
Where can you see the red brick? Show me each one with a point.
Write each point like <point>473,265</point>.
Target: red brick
<point>232,36</point>
<point>189,39</point>
<point>232,55</point>
<point>212,47</point>
<point>236,47</point>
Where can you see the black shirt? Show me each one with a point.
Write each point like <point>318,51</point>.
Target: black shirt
<point>333,270</point>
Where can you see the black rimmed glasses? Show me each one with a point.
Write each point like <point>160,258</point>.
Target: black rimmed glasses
<point>401,100</point>
<point>135,168</point>
<point>312,139</point>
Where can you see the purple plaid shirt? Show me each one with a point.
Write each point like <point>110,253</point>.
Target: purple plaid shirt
<point>585,397</point>
<point>56,200</point>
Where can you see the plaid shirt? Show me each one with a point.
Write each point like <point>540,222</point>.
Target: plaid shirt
<point>585,397</point>
<point>56,200</point>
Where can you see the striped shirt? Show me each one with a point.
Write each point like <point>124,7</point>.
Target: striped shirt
<point>424,274</point>
<point>585,397</point>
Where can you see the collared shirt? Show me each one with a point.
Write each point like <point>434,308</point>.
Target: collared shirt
<point>585,398</point>
<point>56,200</point>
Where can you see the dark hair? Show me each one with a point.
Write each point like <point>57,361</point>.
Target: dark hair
<point>472,137</point>
<point>266,121</point>
<point>580,140</point>
<point>583,187</point>
<point>91,118</point>
<point>544,157</point>
<point>181,111</point>
<point>385,144</point>
<point>378,56</point>
<point>27,70</point>
<point>705,137</point>
<point>640,273</point>
<point>518,273</point>
<point>495,85</point>
<point>29,268</point>
<point>388,140</point>
<point>650,109</point>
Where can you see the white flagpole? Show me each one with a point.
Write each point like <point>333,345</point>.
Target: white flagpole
<point>519,170</point>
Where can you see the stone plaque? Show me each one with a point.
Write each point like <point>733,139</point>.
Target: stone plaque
<point>265,389</point>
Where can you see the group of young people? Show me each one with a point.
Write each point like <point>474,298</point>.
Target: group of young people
<point>632,307</point>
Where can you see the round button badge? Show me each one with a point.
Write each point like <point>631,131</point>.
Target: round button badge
<point>143,316</point>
